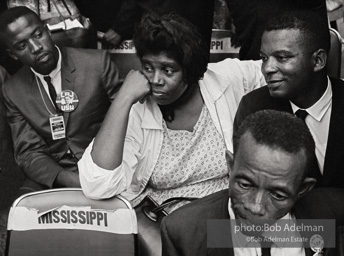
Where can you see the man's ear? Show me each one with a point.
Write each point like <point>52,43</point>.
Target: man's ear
<point>229,160</point>
<point>320,60</point>
<point>306,186</point>
<point>9,52</point>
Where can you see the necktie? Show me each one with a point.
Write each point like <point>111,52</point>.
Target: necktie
<point>266,251</point>
<point>301,114</point>
<point>266,247</point>
<point>52,91</point>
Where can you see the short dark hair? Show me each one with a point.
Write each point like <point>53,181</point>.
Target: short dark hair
<point>313,28</point>
<point>280,130</point>
<point>178,38</point>
<point>9,16</point>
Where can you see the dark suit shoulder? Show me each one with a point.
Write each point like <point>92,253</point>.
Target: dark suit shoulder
<point>260,96</point>
<point>321,203</point>
<point>260,99</point>
<point>86,59</point>
<point>212,206</point>
<point>83,51</point>
<point>19,81</point>
<point>337,84</point>
<point>184,232</point>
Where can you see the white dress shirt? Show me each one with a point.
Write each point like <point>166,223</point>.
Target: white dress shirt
<point>55,75</point>
<point>318,122</point>
<point>245,246</point>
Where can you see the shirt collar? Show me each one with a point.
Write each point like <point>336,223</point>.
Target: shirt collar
<point>55,71</point>
<point>242,240</point>
<point>318,110</point>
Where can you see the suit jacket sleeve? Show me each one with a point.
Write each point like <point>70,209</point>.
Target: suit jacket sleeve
<point>110,76</point>
<point>168,248</point>
<point>30,151</point>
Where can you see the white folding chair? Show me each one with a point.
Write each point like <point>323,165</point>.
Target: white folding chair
<point>126,59</point>
<point>220,46</point>
<point>334,59</point>
<point>65,222</point>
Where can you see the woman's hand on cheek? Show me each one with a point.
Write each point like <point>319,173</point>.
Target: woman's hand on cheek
<point>135,87</point>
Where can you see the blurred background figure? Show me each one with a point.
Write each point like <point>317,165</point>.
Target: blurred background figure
<point>11,177</point>
<point>102,13</point>
<point>199,13</point>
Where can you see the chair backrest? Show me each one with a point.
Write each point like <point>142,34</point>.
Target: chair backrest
<point>334,59</point>
<point>65,222</point>
<point>125,57</point>
<point>220,46</point>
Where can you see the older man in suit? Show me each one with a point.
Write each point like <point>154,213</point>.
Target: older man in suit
<point>294,51</point>
<point>268,175</point>
<point>55,103</point>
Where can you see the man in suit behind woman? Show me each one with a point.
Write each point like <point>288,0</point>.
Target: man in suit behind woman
<point>294,51</point>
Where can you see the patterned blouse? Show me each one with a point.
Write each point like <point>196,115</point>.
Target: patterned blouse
<point>191,164</point>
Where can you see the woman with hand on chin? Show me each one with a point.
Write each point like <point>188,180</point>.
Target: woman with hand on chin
<point>167,130</point>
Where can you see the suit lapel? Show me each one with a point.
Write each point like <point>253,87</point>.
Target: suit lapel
<point>67,76</point>
<point>335,136</point>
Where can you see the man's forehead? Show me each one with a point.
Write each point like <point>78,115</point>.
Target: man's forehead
<point>291,37</point>
<point>248,138</point>
<point>286,31</point>
<point>21,28</point>
<point>266,153</point>
<point>25,20</point>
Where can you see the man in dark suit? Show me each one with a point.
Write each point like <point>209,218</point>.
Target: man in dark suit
<point>294,52</point>
<point>55,103</point>
<point>268,175</point>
